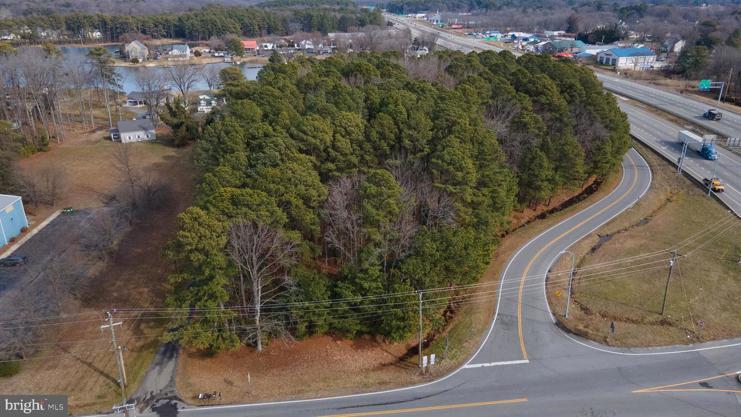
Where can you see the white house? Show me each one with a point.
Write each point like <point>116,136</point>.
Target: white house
<point>267,46</point>
<point>207,103</point>
<point>181,51</point>
<point>134,131</point>
<point>136,50</point>
<point>636,59</point>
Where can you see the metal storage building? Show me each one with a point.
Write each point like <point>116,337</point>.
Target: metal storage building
<point>12,217</point>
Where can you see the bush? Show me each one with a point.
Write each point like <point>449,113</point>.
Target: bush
<point>24,229</point>
<point>197,54</point>
<point>135,60</point>
<point>8,369</point>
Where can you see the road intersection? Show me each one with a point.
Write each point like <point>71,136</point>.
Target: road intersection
<point>525,364</point>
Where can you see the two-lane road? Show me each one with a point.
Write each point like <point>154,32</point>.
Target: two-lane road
<point>526,366</point>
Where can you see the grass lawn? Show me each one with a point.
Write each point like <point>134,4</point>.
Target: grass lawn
<point>704,293</point>
<point>76,358</point>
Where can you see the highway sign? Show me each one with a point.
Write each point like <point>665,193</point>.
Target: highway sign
<point>705,85</point>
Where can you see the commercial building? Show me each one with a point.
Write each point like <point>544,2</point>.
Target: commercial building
<point>12,218</point>
<point>636,59</point>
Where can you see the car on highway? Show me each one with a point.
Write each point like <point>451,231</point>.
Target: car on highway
<point>12,261</point>
<point>713,114</point>
<point>714,184</point>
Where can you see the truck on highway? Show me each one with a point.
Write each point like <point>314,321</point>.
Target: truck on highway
<point>714,184</point>
<point>703,146</point>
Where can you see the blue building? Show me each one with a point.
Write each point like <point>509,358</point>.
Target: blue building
<point>12,217</point>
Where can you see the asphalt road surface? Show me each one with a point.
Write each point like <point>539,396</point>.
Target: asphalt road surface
<point>661,135</point>
<point>526,366</point>
<point>676,104</point>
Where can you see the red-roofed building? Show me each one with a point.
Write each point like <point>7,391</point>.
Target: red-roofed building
<point>250,45</point>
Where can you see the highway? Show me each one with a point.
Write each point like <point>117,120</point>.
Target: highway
<point>526,366</point>
<point>649,128</point>
<point>661,135</point>
<point>675,104</point>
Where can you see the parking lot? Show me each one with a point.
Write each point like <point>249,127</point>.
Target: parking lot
<point>60,259</point>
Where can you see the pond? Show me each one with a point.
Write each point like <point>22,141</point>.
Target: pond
<point>76,55</point>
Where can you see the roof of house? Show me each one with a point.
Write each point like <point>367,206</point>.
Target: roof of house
<point>135,43</point>
<point>568,43</point>
<point>249,44</point>
<point>7,199</point>
<point>628,52</point>
<point>182,48</point>
<point>125,126</point>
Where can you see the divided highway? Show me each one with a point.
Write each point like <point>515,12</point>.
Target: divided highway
<point>526,366</point>
<point>673,103</point>
<point>661,135</point>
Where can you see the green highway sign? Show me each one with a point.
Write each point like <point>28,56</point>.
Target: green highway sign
<point>705,84</point>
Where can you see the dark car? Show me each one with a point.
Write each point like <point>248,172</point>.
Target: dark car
<point>11,261</point>
<point>713,114</point>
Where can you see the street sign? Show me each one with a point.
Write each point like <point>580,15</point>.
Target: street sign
<point>424,361</point>
<point>705,85</point>
<point>432,359</point>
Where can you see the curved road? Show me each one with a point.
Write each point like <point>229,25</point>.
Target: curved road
<point>526,366</point>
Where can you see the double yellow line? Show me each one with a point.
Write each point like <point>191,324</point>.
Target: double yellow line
<point>544,248</point>
<point>430,408</point>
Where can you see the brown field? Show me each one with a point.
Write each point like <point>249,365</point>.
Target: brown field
<point>76,358</point>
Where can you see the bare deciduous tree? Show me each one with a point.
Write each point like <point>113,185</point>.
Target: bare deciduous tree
<point>153,86</point>
<point>184,77</point>
<point>344,223</point>
<point>263,256</point>
<point>211,77</point>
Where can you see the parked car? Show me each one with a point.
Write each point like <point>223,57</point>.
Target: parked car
<point>12,261</point>
<point>713,114</point>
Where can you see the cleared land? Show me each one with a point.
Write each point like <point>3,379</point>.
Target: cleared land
<point>324,366</point>
<point>75,358</point>
<point>622,269</point>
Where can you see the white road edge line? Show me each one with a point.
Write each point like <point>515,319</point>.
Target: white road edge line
<point>573,339</point>
<point>486,365</point>
<point>462,367</point>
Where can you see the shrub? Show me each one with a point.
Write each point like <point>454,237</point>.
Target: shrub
<point>24,229</point>
<point>197,54</point>
<point>135,60</point>
<point>8,369</point>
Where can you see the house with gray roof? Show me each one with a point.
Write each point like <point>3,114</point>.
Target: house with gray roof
<point>181,51</point>
<point>136,50</point>
<point>128,131</point>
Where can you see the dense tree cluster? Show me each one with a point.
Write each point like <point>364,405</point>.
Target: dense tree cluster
<point>196,25</point>
<point>364,181</point>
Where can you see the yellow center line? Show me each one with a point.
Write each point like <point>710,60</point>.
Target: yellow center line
<point>544,248</point>
<point>430,408</point>
<point>664,388</point>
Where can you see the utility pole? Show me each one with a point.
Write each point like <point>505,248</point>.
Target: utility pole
<point>680,162</point>
<point>571,279</point>
<point>119,355</point>
<point>420,329</point>
<point>668,278</point>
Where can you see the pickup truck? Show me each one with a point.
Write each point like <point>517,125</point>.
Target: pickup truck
<point>714,184</point>
<point>713,114</point>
